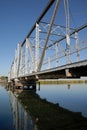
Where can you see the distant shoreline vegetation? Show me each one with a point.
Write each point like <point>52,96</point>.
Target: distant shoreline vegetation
<point>3,78</point>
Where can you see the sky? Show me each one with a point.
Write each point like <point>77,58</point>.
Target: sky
<point>16,19</point>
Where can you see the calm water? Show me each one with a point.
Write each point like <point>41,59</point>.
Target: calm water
<point>13,116</point>
<point>73,97</point>
<point>5,111</point>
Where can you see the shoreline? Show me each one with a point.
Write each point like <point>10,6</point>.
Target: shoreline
<point>62,81</point>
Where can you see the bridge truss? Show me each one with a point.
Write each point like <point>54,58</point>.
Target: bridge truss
<point>50,43</point>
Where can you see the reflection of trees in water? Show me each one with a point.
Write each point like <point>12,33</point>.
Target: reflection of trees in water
<point>21,119</point>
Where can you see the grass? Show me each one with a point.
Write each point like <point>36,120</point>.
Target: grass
<point>49,116</point>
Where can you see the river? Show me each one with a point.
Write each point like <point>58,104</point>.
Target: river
<point>70,96</point>
<point>13,115</point>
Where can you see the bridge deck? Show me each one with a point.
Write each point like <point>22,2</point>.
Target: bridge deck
<point>60,70</point>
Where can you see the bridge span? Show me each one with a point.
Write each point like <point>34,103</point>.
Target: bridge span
<point>73,70</point>
<point>53,48</point>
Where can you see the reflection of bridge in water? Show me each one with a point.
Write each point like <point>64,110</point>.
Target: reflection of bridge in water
<point>21,119</point>
<point>51,50</point>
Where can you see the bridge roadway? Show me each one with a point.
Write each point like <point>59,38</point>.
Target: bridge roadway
<point>75,70</point>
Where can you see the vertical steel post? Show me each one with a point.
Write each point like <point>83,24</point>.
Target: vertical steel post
<point>56,54</point>
<point>49,62</point>
<point>67,32</point>
<point>26,58</point>
<point>18,58</point>
<point>68,74</point>
<point>31,54</point>
<point>77,46</point>
<point>21,69</point>
<point>37,47</point>
<point>15,64</point>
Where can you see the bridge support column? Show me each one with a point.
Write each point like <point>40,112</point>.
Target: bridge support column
<point>18,84</point>
<point>10,85</point>
<point>30,85</point>
<point>68,74</point>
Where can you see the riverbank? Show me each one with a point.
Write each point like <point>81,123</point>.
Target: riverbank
<point>49,116</point>
<point>62,81</point>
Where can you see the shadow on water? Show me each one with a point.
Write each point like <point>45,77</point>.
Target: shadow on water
<point>30,112</point>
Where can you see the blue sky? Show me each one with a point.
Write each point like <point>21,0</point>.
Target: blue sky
<point>16,19</point>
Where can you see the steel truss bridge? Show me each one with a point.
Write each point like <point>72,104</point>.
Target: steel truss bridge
<point>52,48</point>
